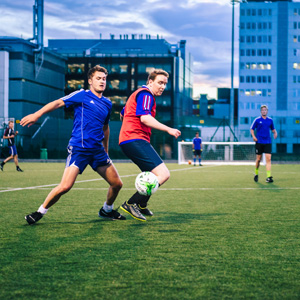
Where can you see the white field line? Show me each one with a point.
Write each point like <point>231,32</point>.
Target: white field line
<point>45,187</point>
<point>186,189</point>
<point>83,181</point>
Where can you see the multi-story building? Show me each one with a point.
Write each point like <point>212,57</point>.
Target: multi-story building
<point>30,77</point>
<point>129,61</point>
<point>269,69</point>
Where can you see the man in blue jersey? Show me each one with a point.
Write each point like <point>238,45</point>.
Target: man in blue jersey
<point>10,135</point>
<point>263,125</point>
<point>197,148</point>
<point>88,144</point>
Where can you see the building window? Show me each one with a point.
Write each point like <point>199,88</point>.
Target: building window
<point>294,79</point>
<point>270,39</point>
<point>259,12</point>
<point>258,93</point>
<point>242,39</point>
<point>253,66</point>
<point>296,147</point>
<point>248,12</point>
<point>244,120</point>
<point>253,79</point>
<point>242,66</point>
<point>248,79</point>
<point>295,39</point>
<point>252,93</point>
<point>269,93</point>
<point>269,52</point>
<point>248,52</point>
<point>295,25</point>
<point>242,52</point>
<point>253,26</point>
<point>248,25</point>
<point>264,79</point>
<point>241,79</point>
<point>269,79</point>
<point>296,66</point>
<point>270,25</point>
<point>259,52</point>
<point>281,148</point>
<point>242,12</point>
<point>242,25</point>
<point>258,79</point>
<point>295,11</point>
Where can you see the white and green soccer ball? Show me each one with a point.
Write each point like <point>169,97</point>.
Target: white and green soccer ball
<point>146,183</point>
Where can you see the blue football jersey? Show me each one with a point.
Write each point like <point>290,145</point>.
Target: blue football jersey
<point>263,127</point>
<point>90,115</point>
<point>197,143</point>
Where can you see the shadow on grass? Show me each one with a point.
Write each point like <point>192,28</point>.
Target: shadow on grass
<point>181,218</point>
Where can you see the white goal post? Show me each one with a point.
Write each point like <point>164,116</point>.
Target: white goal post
<point>219,152</point>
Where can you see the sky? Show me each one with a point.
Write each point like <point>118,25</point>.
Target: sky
<point>204,24</point>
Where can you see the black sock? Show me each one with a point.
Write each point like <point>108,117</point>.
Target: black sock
<point>139,199</point>
<point>3,163</point>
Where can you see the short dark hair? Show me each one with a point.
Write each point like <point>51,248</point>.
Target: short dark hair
<point>156,72</point>
<point>97,68</point>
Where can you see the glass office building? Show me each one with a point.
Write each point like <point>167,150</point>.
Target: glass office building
<point>270,69</point>
<point>129,60</point>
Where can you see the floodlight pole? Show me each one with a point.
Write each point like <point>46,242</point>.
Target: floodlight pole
<point>231,112</point>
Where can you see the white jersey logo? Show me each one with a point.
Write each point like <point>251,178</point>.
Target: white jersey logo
<point>92,102</point>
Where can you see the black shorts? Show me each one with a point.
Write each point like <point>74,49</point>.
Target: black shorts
<point>263,148</point>
<point>197,152</point>
<point>142,154</point>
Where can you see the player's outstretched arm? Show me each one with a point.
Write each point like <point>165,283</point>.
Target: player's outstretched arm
<point>149,121</point>
<point>32,118</point>
<point>274,133</point>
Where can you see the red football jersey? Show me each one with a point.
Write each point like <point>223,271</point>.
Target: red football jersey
<point>132,127</point>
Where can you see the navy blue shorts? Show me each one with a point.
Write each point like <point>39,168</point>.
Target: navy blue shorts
<point>13,150</point>
<point>80,158</point>
<point>142,154</point>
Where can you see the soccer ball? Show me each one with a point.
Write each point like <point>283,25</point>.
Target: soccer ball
<point>190,162</point>
<point>146,183</point>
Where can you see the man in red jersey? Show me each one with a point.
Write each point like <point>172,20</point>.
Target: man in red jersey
<point>138,119</point>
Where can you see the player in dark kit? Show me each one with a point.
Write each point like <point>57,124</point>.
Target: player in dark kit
<point>263,125</point>
<point>197,148</point>
<point>88,144</point>
<point>138,120</point>
<point>10,135</point>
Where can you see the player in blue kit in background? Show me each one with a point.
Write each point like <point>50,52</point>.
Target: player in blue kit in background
<point>263,125</point>
<point>10,135</point>
<point>88,144</point>
<point>197,148</point>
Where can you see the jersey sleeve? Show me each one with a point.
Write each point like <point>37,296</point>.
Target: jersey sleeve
<point>6,132</point>
<point>144,103</point>
<point>254,124</point>
<point>74,98</point>
<point>272,127</point>
<point>107,118</point>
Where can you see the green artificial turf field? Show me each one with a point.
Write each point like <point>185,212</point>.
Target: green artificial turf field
<point>215,234</point>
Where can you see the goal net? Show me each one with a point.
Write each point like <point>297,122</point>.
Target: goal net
<point>219,152</point>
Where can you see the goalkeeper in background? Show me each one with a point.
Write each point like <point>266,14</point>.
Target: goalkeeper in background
<point>197,148</point>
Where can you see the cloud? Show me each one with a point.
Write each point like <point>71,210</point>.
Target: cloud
<point>204,24</point>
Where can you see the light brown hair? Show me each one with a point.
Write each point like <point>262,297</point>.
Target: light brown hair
<point>95,69</point>
<point>156,72</point>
